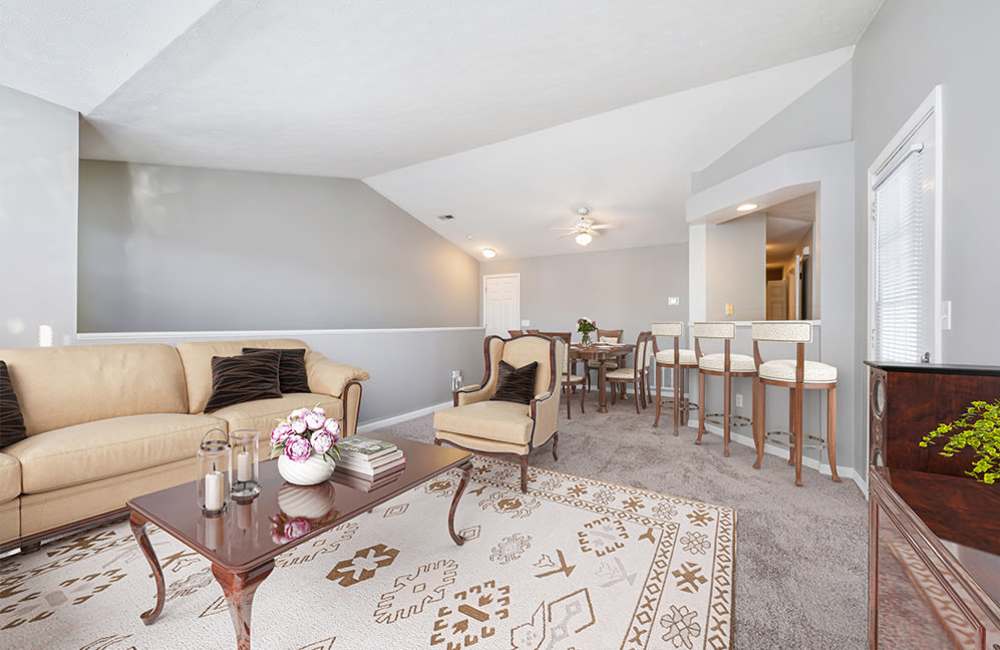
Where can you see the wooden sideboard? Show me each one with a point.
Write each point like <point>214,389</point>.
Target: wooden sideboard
<point>934,533</point>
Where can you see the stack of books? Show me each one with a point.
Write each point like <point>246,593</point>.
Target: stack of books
<point>368,464</point>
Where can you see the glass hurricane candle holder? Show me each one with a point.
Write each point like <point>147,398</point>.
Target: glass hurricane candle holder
<point>214,476</point>
<point>456,380</point>
<point>246,464</point>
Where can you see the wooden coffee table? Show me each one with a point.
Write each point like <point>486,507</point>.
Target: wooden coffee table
<point>239,543</point>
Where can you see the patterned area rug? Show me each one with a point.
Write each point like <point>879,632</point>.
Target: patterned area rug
<point>575,563</point>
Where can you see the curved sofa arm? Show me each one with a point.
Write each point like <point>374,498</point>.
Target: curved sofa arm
<point>469,395</point>
<point>330,378</point>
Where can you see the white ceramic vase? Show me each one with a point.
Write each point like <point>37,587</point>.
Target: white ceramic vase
<point>315,470</point>
<point>313,502</point>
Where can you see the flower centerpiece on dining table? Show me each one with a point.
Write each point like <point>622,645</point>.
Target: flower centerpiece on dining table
<point>307,443</point>
<point>585,326</point>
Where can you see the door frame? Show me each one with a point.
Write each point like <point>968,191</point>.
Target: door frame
<point>482,296</point>
<point>929,109</point>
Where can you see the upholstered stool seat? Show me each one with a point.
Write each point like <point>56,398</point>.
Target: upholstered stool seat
<point>688,357</point>
<point>573,379</point>
<point>717,362</point>
<point>815,372</point>
<point>623,374</point>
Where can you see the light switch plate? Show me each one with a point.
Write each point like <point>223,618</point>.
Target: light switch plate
<point>526,323</point>
<point>673,301</point>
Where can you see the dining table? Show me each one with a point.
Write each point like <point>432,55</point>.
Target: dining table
<point>602,352</point>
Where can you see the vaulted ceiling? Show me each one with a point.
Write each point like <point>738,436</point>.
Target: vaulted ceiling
<point>377,90</point>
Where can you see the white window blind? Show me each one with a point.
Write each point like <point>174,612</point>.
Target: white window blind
<point>902,262</point>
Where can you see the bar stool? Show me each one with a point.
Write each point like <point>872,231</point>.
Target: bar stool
<point>726,365</point>
<point>798,376</point>
<point>668,359</point>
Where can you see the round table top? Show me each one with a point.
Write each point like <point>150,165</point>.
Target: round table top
<point>601,350</point>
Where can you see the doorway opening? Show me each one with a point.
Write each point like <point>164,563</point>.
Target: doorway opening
<point>788,267</point>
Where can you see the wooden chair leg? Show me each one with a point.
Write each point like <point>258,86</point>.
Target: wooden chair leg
<point>649,391</point>
<point>799,435</point>
<point>555,443</point>
<point>614,393</point>
<point>659,394</point>
<point>685,402</point>
<point>701,411</point>
<point>759,421</point>
<point>638,395</point>
<point>583,395</point>
<point>676,405</point>
<point>727,411</point>
<point>569,394</point>
<point>791,425</point>
<point>524,474</point>
<point>831,432</point>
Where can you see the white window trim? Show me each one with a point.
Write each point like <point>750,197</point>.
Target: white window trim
<point>930,108</point>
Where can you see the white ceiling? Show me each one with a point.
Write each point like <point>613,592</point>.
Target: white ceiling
<point>77,52</point>
<point>346,88</point>
<point>631,166</point>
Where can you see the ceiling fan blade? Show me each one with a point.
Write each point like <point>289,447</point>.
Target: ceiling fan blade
<point>569,234</point>
<point>564,229</point>
<point>603,226</point>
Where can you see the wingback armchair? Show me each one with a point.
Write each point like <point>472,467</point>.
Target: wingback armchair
<point>487,426</point>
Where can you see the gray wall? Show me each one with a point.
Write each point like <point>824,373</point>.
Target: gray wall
<point>911,46</point>
<point>820,117</point>
<point>409,370</point>
<point>38,193</point>
<point>622,289</point>
<point>735,261</point>
<point>185,249</point>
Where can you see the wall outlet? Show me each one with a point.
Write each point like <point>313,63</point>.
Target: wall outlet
<point>739,400</point>
<point>673,301</point>
<point>526,323</point>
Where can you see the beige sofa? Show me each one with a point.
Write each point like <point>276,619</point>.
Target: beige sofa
<point>110,422</point>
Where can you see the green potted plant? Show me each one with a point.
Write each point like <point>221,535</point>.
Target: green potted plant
<point>585,326</point>
<point>979,429</point>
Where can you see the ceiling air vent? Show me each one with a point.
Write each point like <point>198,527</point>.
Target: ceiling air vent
<point>447,217</point>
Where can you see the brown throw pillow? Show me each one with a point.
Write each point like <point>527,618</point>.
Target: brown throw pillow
<point>11,422</point>
<point>244,379</point>
<point>516,384</point>
<point>292,376</point>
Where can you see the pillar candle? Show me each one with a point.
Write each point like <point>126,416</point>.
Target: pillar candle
<point>213,491</point>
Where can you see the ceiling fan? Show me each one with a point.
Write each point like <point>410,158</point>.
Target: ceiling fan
<point>584,230</point>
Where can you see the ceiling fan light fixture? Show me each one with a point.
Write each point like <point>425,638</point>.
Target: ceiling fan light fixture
<point>584,238</point>
<point>489,253</point>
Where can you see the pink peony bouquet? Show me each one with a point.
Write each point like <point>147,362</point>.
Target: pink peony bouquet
<point>285,529</point>
<point>306,432</point>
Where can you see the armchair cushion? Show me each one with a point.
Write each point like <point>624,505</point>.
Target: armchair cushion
<point>329,377</point>
<point>490,420</point>
<point>516,384</point>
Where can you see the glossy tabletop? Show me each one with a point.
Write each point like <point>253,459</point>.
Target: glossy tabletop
<point>599,351</point>
<point>283,515</point>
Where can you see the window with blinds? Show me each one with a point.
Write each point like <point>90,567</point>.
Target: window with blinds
<point>903,291</point>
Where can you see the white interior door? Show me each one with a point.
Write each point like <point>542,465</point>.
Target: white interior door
<point>501,303</point>
<point>777,295</point>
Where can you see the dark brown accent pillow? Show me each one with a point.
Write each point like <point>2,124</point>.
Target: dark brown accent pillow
<point>244,379</point>
<point>292,376</point>
<point>516,384</point>
<point>11,421</point>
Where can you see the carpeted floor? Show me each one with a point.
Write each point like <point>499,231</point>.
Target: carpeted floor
<point>801,559</point>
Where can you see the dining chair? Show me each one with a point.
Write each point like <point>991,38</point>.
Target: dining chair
<point>798,376</point>
<point>570,380</point>
<point>606,336</point>
<point>679,360</point>
<point>635,375</point>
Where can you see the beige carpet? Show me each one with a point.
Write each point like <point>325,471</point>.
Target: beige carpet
<point>801,565</point>
<point>577,563</point>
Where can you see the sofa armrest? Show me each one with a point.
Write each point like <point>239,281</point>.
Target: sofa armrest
<point>469,395</point>
<point>329,377</point>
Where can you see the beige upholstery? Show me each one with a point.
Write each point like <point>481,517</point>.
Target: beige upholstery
<point>477,418</point>
<point>502,421</point>
<point>714,330</point>
<point>789,331</point>
<point>96,450</point>
<point>675,328</point>
<point>10,520</point>
<point>621,373</point>
<point>608,365</point>
<point>482,444</point>
<point>784,370</point>
<point>263,414</point>
<point>717,362</point>
<point>329,377</point>
<point>573,378</point>
<point>10,478</point>
<point>48,510</point>
<point>60,387</point>
<point>667,357</point>
<point>197,359</point>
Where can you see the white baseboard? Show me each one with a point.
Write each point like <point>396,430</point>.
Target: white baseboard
<point>782,452</point>
<point>373,425</point>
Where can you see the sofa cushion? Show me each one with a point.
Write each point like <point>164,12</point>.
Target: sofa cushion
<point>63,386</point>
<point>10,478</point>
<point>11,422</point>
<point>244,378</point>
<point>262,415</point>
<point>197,360</point>
<point>502,421</point>
<point>96,450</point>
